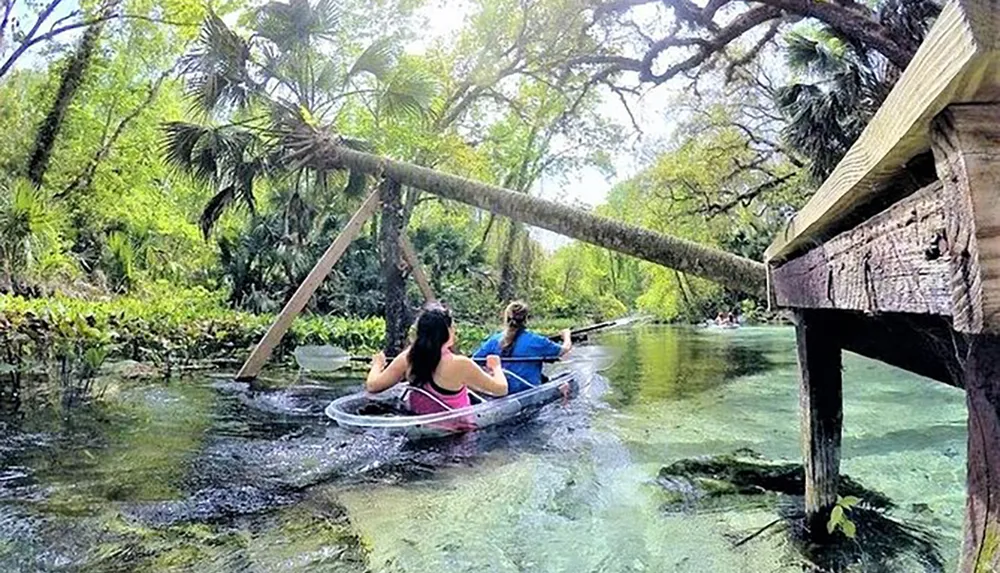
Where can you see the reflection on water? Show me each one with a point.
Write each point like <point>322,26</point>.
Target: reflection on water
<point>210,475</point>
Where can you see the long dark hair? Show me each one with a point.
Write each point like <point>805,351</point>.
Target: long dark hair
<point>515,318</point>
<point>433,331</point>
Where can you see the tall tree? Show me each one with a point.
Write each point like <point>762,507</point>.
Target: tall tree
<point>844,57</point>
<point>69,84</point>
<point>283,76</point>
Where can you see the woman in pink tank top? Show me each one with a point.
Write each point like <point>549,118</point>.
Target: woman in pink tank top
<point>438,376</point>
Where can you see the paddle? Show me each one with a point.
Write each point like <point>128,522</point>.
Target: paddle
<point>579,332</point>
<point>331,358</point>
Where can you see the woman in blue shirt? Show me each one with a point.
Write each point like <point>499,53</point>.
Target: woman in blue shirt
<point>515,341</point>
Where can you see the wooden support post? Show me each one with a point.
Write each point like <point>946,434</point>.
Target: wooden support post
<point>251,368</point>
<point>821,415</point>
<point>981,546</point>
<point>966,142</point>
<point>416,269</point>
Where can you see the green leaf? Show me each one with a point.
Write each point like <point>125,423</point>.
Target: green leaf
<point>848,502</point>
<point>378,60</point>
<point>837,515</point>
<point>849,529</point>
<point>830,526</point>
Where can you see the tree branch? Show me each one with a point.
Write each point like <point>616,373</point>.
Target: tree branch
<point>696,28</point>
<point>31,40</point>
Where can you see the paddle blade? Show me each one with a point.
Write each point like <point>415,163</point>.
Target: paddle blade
<point>321,358</point>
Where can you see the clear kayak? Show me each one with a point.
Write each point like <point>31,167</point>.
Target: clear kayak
<point>387,411</point>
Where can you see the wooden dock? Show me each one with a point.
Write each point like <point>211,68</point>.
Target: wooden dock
<point>897,257</point>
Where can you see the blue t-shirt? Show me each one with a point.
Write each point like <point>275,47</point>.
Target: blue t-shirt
<point>527,345</point>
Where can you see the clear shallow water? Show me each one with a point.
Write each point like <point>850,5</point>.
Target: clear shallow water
<point>203,474</point>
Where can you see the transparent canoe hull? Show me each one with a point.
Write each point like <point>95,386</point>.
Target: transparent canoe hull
<point>351,411</point>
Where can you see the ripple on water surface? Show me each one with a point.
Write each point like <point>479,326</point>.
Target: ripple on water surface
<point>209,475</point>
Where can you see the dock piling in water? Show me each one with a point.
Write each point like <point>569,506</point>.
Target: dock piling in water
<point>821,414</point>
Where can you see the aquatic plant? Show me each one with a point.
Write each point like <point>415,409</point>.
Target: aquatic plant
<point>839,519</point>
<point>873,541</point>
<point>170,332</point>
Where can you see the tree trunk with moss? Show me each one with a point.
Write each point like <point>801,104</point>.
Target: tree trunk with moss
<point>397,311</point>
<point>735,272</point>
<point>507,290</point>
<point>69,84</point>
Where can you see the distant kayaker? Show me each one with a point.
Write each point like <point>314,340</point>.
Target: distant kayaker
<point>516,341</point>
<point>430,366</point>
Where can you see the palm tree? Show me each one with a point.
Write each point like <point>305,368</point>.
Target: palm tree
<point>844,83</point>
<point>327,151</point>
<point>284,76</point>
<point>261,88</point>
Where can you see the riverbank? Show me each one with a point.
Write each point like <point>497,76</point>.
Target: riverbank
<point>174,331</point>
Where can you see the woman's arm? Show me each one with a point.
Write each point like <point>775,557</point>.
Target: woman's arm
<point>494,383</point>
<point>381,378</point>
<point>567,342</point>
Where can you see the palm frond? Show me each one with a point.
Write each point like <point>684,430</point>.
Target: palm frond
<point>814,52</point>
<point>180,139</point>
<point>217,68</point>
<point>292,25</point>
<point>214,209</point>
<point>408,93</point>
<point>378,59</point>
<point>206,152</point>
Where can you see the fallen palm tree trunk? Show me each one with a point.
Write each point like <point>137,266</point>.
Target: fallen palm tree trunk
<point>326,151</point>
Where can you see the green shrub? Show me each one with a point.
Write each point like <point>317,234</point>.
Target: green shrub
<point>164,329</point>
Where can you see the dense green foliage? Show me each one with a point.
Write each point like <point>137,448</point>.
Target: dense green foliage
<point>173,165</point>
<point>169,329</point>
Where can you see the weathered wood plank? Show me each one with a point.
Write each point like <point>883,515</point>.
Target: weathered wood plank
<point>981,547</point>
<point>821,415</point>
<point>967,153</point>
<point>416,269</point>
<point>896,261</point>
<point>956,63</point>
<point>251,368</point>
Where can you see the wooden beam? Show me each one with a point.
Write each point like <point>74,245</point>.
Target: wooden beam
<point>919,343</point>
<point>413,261</point>
<point>967,152</point>
<point>957,62</point>
<point>260,354</point>
<point>981,546</point>
<point>896,261</point>
<point>821,415</point>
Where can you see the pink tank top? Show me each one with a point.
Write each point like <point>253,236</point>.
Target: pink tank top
<point>421,403</point>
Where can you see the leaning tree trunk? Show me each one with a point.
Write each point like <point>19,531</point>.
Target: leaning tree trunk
<point>397,312</point>
<point>735,272</point>
<point>69,83</point>
<point>508,276</point>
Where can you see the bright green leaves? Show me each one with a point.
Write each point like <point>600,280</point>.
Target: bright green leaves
<point>838,516</point>
<point>408,92</point>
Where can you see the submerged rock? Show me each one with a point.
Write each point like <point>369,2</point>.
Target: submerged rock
<point>743,479</point>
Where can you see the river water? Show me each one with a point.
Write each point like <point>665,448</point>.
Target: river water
<point>203,474</point>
